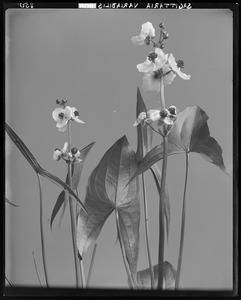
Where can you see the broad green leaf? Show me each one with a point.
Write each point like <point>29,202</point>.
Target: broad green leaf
<point>144,133</point>
<point>107,191</point>
<point>190,133</point>
<point>37,168</point>
<point>9,202</point>
<point>76,173</point>
<point>144,277</point>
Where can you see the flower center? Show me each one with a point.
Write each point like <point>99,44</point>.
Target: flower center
<point>180,64</point>
<point>74,151</point>
<point>76,113</point>
<point>164,113</point>
<point>157,74</point>
<point>152,56</point>
<point>61,115</point>
<point>172,110</point>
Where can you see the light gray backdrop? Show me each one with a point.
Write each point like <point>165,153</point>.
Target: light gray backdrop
<point>87,56</point>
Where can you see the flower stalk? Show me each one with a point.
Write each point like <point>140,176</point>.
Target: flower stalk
<point>179,265</point>
<point>72,217</point>
<point>162,195</point>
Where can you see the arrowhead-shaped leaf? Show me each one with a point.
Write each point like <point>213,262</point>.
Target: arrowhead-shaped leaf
<point>107,191</point>
<point>37,168</point>
<point>76,173</point>
<point>144,133</point>
<point>190,133</point>
<point>144,277</point>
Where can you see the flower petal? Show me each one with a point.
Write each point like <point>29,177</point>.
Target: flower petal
<point>56,155</point>
<point>56,112</point>
<point>140,118</point>
<point>61,123</point>
<point>146,66</point>
<point>68,112</point>
<point>138,40</point>
<point>149,83</point>
<point>183,75</point>
<point>147,29</point>
<point>153,114</point>
<point>65,148</point>
<point>161,58</point>
<point>63,128</point>
<point>168,78</point>
<point>168,120</point>
<point>78,120</point>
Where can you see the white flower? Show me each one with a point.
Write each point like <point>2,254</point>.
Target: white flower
<point>154,61</point>
<point>147,32</point>
<point>74,155</point>
<point>75,115</point>
<point>140,118</point>
<point>177,66</point>
<point>60,153</point>
<point>62,116</point>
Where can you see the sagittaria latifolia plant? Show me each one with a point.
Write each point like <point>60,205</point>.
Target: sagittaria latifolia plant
<point>117,184</point>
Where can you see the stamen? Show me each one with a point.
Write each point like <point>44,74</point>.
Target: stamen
<point>180,64</point>
<point>76,113</point>
<point>157,74</point>
<point>74,151</point>
<point>147,40</point>
<point>61,115</point>
<point>164,113</point>
<point>152,56</point>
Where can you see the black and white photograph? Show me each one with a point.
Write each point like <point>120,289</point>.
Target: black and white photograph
<point>119,148</point>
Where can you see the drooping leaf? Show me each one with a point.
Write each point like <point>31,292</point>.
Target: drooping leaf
<point>9,202</point>
<point>37,168</point>
<point>169,273</point>
<point>144,133</point>
<point>107,191</point>
<point>76,173</point>
<point>190,133</point>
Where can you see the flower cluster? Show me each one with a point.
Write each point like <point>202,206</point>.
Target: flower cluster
<point>72,156</point>
<point>63,114</point>
<point>161,117</point>
<point>157,64</point>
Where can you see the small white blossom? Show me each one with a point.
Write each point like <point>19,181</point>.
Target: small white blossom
<point>147,32</point>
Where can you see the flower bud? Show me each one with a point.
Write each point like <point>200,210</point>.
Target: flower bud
<point>74,151</point>
<point>165,35</point>
<point>180,64</point>
<point>164,113</point>
<point>57,101</point>
<point>161,25</point>
<point>162,46</point>
<point>64,100</point>
<point>173,110</point>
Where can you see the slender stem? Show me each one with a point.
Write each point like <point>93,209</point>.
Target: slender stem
<point>147,231</point>
<point>8,280</point>
<point>72,218</point>
<point>36,269</point>
<point>162,98</point>
<point>82,273</point>
<point>91,265</point>
<point>42,232</point>
<point>161,216</point>
<point>128,271</point>
<point>183,225</point>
